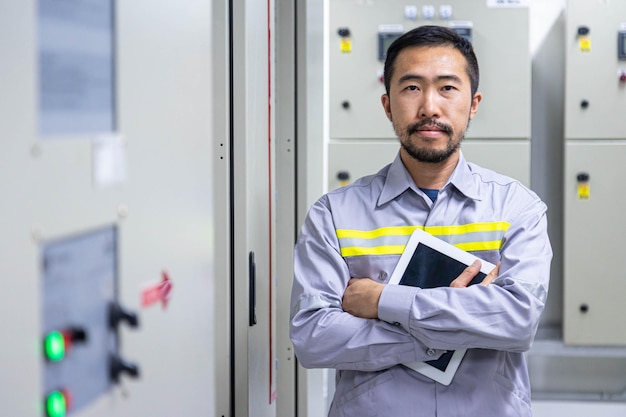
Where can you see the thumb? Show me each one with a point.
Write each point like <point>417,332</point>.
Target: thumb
<point>467,275</point>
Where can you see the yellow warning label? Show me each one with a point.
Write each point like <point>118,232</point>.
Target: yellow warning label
<point>584,44</point>
<point>583,191</point>
<point>345,46</point>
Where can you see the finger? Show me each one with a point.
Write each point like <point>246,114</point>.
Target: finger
<point>467,275</point>
<point>491,276</point>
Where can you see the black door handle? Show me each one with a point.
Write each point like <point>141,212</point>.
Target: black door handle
<point>251,289</point>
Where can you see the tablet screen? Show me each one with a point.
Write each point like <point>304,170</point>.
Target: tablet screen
<point>429,268</point>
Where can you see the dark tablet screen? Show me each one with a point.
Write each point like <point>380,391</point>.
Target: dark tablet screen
<point>429,268</point>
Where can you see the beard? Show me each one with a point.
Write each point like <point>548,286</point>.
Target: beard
<point>425,154</point>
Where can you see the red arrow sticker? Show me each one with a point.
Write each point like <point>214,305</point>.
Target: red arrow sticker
<point>154,293</point>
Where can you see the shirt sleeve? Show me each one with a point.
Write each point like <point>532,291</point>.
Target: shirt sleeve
<point>501,316</point>
<point>323,335</point>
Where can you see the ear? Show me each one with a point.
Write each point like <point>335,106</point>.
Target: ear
<point>474,107</point>
<point>384,99</point>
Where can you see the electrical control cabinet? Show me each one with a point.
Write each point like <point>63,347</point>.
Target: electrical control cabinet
<point>358,35</point>
<point>595,151</point>
<point>595,81</point>
<point>94,213</point>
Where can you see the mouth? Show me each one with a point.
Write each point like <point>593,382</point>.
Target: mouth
<point>429,127</point>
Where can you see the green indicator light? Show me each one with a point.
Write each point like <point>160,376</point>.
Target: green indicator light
<point>54,346</point>
<point>56,405</point>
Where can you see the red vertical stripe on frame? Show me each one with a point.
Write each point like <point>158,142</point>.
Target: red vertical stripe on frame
<point>272,393</point>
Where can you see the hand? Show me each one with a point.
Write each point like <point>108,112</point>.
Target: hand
<point>471,271</point>
<point>361,298</point>
<point>493,274</point>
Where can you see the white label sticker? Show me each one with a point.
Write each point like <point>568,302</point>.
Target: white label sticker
<point>109,160</point>
<point>508,3</point>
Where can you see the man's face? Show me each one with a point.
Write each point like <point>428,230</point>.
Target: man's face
<point>430,102</point>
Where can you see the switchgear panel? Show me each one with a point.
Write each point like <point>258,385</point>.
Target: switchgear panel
<point>595,151</point>
<point>370,27</point>
<point>80,316</point>
<point>596,71</point>
<point>358,38</point>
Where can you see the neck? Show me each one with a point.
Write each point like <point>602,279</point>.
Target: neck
<point>427,174</point>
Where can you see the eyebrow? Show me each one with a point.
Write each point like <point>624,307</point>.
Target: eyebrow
<point>416,77</point>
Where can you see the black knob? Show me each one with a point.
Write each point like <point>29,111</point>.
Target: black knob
<point>582,177</point>
<point>77,334</point>
<point>583,30</point>
<point>343,175</point>
<point>343,32</point>
<point>584,104</point>
<point>118,314</point>
<point>118,366</point>
<point>345,104</point>
<point>584,308</point>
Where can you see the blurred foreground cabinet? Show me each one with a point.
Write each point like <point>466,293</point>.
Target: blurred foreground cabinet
<point>107,225</point>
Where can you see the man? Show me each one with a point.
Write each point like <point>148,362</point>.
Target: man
<point>343,314</point>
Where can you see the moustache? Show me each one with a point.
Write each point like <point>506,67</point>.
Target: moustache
<point>428,122</point>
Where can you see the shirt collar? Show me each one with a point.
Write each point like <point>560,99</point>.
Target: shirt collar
<point>463,179</point>
<point>399,180</point>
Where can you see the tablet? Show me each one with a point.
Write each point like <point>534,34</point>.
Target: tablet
<point>429,262</point>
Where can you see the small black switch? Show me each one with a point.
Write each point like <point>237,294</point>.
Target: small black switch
<point>119,366</point>
<point>343,32</point>
<point>118,314</point>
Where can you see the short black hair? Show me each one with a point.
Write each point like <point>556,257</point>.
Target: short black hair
<point>432,36</point>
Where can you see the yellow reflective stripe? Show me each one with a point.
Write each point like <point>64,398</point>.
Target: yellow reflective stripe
<point>373,234</point>
<point>478,246</point>
<point>467,228</point>
<point>376,250</point>
<point>433,230</point>
<point>441,231</point>
<point>398,249</point>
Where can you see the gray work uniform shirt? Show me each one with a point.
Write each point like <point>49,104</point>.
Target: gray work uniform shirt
<point>359,231</point>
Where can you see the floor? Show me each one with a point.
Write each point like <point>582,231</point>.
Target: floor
<point>578,409</point>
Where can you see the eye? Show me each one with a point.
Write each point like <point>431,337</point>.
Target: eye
<point>448,88</point>
<point>412,88</point>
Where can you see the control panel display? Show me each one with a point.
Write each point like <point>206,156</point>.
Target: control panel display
<point>385,39</point>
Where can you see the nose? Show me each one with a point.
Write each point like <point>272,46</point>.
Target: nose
<point>429,105</point>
